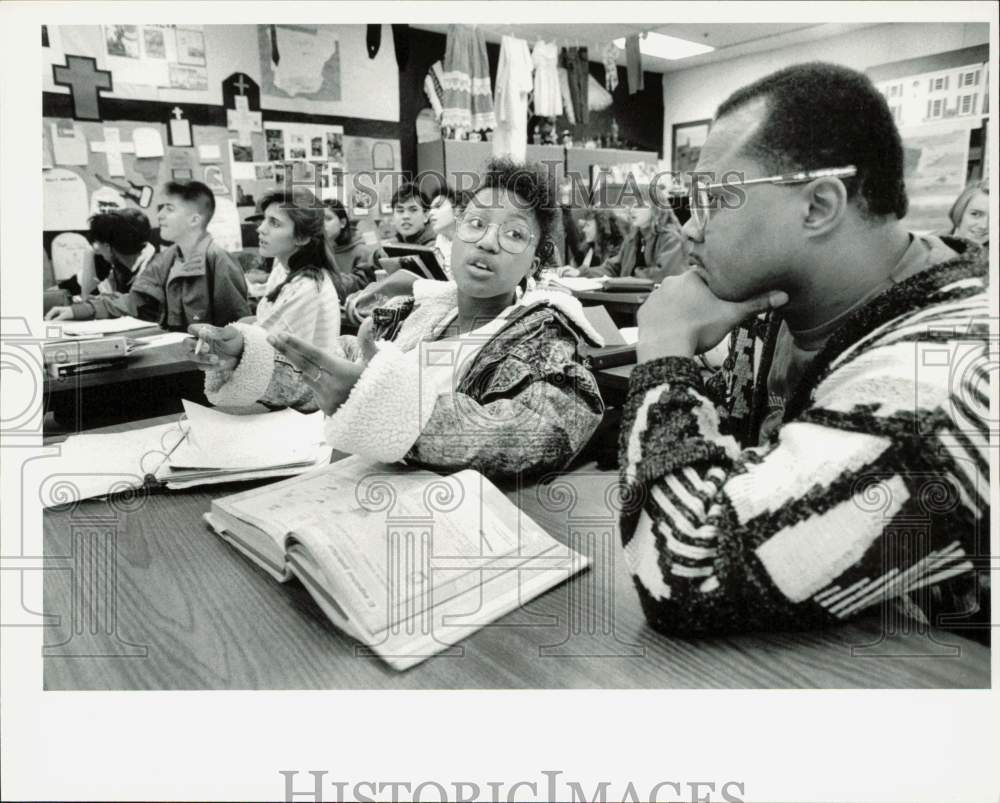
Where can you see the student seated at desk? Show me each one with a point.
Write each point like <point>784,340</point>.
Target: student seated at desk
<point>300,295</point>
<point>121,250</point>
<point>346,251</point>
<point>654,247</point>
<point>410,222</point>
<point>445,208</point>
<point>192,281</point>
<point>518,400</point>
<point>594,241</point>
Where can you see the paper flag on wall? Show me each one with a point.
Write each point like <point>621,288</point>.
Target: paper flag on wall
<point>69,146</point>
<point>148,143</point>
<point>209,153</point>
<point>243,121</point>
<point>225,225</point>
<point>64,200</point>
<point>113,147</point>
<point>70,252</point>
<point>85,83</point>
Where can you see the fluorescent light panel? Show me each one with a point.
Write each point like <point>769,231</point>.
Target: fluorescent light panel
<point>667,47</point>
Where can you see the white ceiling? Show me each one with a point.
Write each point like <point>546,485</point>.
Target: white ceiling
<point>729,39</point>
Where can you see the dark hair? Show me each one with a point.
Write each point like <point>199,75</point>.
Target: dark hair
<point>193,192</point>
<point>609,235</point>
<point>346,230</point>
<point>532,183</point>
<point>125,230</point>
<point>824,115</point>
<point>306,214</point>
<point>409,190</point>
<point>962,202</point>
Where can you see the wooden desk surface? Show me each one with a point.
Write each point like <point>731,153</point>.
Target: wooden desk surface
<point>145,597</point>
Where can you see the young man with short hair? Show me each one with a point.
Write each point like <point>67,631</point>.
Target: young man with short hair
<point>192,281</point>
<point>851,467</point>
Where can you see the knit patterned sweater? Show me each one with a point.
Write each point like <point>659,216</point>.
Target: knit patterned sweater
<point>875,485</point>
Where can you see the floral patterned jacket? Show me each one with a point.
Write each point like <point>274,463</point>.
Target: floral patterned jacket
<point>512,397</point>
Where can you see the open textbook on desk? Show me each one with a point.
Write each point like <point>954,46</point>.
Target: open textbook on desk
<point>406,562</point>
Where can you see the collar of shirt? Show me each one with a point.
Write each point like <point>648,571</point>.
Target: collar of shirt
<point>192,264</point>
<point>924,251</point>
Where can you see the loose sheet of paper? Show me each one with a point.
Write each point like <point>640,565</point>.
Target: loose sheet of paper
<point>69,146</point>
<point>244,442</point>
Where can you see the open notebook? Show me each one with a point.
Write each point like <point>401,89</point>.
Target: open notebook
<point>406,562</point>
<point>205,446</point>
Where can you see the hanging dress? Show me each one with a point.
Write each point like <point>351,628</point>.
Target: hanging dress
<point>514,85</point>
<point>467,104</point>
<point>548,98</point>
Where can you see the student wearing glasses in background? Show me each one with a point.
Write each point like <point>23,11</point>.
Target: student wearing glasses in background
<point>515,397</point>
<point>848,465</point>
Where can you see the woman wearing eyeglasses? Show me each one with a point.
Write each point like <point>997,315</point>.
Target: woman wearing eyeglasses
<point>468,373</point>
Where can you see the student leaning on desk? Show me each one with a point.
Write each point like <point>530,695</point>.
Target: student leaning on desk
<point>192,281</point>
<point>843,469</point>
<point>514,397</point>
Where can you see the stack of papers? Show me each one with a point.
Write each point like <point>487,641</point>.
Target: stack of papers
<point>104,326</point>
<point>222,444</point>
<point>206,447</point>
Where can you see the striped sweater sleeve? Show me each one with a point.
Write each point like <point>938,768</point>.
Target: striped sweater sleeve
<point>872,492</point>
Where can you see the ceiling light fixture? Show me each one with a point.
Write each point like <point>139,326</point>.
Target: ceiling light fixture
<point>662,46</point>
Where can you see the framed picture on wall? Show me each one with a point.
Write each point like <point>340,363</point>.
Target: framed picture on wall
<point>685,148</point>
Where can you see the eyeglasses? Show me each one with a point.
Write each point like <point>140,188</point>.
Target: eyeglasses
<point>703,200</point>
<point>513,237</point>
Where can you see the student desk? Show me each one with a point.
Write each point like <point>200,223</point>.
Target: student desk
<point>143,596</point>
<point>621,306</point>
<point>152,371</point>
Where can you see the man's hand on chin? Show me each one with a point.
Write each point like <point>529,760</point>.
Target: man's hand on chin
<point>682,317</point>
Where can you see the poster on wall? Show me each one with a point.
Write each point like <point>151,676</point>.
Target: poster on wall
<point>156,56</point>
<point>301,141</point>
<point>935,162</point>
<point>299,61</point>
<point>65,205</point>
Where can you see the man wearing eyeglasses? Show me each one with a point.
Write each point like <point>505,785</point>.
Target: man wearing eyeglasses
<point>839,461</point>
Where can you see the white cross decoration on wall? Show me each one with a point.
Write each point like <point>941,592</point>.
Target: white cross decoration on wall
<point>113,148</point>
<point>243,121</point>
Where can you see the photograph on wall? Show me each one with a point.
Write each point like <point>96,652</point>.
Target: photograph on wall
<point>274,142</point>
<point>191,47</point>
<point>240,153</point>
<point>297,147</point>
<point>244,194</point>
<point>335,146</point>
<point>688,139</point>
<point>122,40</point>
<point>153,44</point>
<point>184,77</point>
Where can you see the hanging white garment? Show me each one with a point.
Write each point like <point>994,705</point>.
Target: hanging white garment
<point>548,99</point>
<point>598,98</point>
<point>511,102</point>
